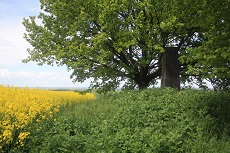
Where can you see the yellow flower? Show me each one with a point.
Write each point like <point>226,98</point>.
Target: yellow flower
<point>56,110</point>
<point>7,136</point>
<point>23,135</point>
<point>21,106</point>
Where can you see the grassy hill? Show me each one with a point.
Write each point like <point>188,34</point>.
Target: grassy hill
<point>153,120</point>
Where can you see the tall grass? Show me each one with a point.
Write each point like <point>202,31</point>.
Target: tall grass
<point>153,120</point>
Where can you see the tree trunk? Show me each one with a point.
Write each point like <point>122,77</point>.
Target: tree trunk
<point>141,81</point>
<point>170,68</point>
<point>143,84</point>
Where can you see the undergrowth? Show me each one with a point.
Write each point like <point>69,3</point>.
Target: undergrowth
<point>148,121</point>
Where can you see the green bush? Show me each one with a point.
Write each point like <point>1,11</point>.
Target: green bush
<point>153,120</point>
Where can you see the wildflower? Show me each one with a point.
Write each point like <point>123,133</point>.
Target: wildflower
<point>23,136</point>
<point>7,135</point>
<point>21,106</point>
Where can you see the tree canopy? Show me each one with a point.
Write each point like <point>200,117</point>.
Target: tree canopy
<point>116,41</point>
<point>213,56</point>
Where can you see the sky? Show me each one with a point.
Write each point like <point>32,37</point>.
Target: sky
<point>13,50</point>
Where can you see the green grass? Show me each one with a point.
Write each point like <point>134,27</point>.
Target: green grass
<point>153,120</point>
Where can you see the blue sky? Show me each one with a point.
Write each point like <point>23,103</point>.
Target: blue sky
<point>13,49</point>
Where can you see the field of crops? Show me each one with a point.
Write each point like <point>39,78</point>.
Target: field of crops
<point>22,107</point>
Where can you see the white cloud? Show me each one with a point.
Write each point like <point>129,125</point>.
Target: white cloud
<point>40,79</point>
<point>5,73</point>
<point>31,75</point>
<point>12,45</point>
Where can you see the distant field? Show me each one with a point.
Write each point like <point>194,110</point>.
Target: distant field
<point>60,88</point>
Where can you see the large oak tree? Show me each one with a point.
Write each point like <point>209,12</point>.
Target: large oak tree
<point>123,40</point>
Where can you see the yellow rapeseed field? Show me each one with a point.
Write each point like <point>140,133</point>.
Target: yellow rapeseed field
<point>21,106</point>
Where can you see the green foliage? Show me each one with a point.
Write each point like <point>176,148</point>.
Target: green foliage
<point>159,120</point>
<point>213,56</point>
<point>83,92</point>
<point>115,41</point>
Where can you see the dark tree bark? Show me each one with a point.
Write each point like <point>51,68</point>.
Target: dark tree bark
<point>143,83</point>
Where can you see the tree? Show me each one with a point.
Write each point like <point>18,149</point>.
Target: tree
<point>213,56</point>
<point>116,40</point>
